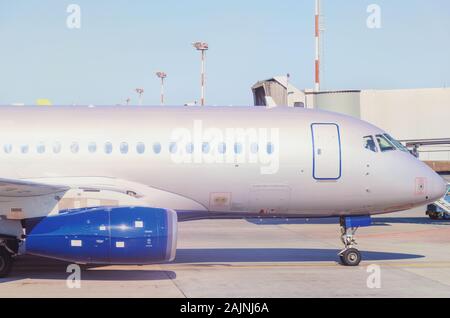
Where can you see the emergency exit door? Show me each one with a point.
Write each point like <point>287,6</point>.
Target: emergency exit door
<point>327,152</point>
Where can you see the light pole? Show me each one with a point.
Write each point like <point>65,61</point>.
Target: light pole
<point>140,92</point>
<point>202,47</point>
<point>162,76</point>
<point>317,37</point>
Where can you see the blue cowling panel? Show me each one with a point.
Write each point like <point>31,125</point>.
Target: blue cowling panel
<point>358,221</point>
<point>133,244</point>
<point>124,235</point>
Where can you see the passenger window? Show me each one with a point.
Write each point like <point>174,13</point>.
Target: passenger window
<point>140,148</point>
<point>190,148</point>
<point>123,148</point>
<point>7,148</point>
<point>369,143</point>
<point>254,148</point>
<point>173,147</point>
<point>222,148</point>
<point>57,147</point>
<point>92,147</point>
<point>385,144</point>
<point>270,148</point>
<point>24,149</point>
<point>108,148</point>
<point>205,147</point>
<point>74,147</point>
<point>157,148</point>
<point>238,148</point>
<point>40,148</point>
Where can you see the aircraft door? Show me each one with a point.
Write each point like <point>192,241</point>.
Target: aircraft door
<point>327,152</point>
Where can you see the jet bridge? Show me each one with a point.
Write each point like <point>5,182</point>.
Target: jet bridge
<point>277,91</point>
<point>434,152</point>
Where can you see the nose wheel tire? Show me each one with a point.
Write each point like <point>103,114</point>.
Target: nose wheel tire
<point>5,262</point>
<point>351,257</point>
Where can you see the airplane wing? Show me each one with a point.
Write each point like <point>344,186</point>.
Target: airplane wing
<point>33,198</point>
<point>10,188</point>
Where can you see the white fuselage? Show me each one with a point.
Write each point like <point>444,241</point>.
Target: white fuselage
<point>280,161</point>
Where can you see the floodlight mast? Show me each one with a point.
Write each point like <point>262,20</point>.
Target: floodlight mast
<point>162,76</point>
<point>202,47</point>
<point>317,38</point>
<point>140,92</point>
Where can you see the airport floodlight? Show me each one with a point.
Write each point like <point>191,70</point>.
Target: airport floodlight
<point>202,47</point>
<point>140,92</point>
<point>162,76</point>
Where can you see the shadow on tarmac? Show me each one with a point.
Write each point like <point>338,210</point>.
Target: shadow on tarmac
<point>377,221</point>
<point>31,267</point>
<point>269,255</point>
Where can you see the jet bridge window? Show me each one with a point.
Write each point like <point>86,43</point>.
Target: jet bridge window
<point>369,143</point>
<point>385,144</point>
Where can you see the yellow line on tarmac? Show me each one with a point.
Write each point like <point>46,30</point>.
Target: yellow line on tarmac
<point>419,264</point>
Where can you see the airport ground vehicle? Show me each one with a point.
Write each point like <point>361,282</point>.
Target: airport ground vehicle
<point>440,209</point>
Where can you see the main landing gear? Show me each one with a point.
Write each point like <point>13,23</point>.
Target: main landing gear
<point>8,248</point>
<point>350,255</point>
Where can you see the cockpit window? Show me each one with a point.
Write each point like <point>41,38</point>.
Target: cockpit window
<point>385,144</point>
<point>396,143</point>
<point>369,143</point>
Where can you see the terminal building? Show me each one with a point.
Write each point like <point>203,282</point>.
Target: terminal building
<point>420,118</point>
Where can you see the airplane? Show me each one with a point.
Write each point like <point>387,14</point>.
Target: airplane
<point>108,185</point>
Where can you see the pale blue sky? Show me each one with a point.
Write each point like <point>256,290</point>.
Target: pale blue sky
<point>121,44</point>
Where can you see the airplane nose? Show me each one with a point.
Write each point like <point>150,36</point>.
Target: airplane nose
<point>438,187</point>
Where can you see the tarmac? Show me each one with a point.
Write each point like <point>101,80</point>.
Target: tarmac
<point>405,255</point>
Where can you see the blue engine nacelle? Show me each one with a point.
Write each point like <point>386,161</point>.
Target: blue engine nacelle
<point>119,236</point>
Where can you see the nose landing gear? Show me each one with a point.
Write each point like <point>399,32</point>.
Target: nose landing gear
<point>350,255</point>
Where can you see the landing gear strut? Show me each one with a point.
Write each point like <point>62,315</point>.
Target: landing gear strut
<point>350,255</point>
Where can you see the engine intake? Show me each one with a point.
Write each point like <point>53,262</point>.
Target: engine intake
<point>119,236</point>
